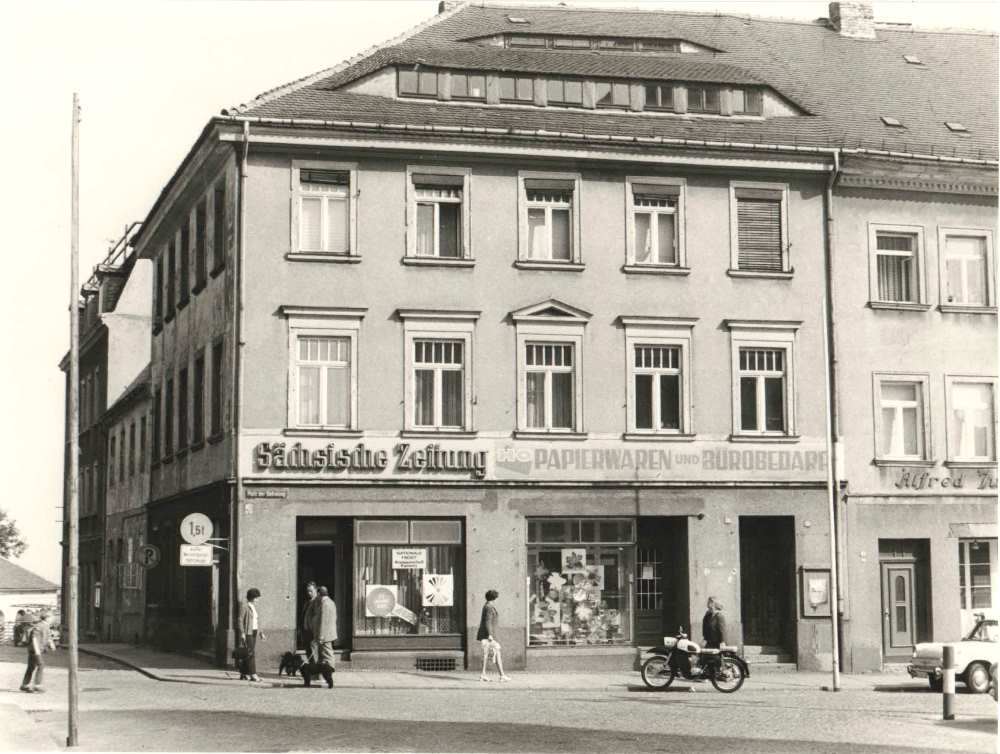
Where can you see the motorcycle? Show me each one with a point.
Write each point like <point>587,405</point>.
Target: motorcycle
<point>678,655</point>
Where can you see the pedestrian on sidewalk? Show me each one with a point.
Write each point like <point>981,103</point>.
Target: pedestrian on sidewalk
<point>487,636</point>
<point>249,632</point>
<point>713,625</point>
<point>324,631</point>
<point>39,642</point>
<point>308,611</point>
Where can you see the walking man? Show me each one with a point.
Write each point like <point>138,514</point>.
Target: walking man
<point>39,641</point>
<point>713,625</point>
<point>324,631</point>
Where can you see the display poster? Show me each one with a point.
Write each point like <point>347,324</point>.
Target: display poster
<point>409,558</point>
<point>380,599</point>
<point>573,559</point>
<point>404,614</point>
<point>817,591</point>
<point>438,590</point>
<point>647,573</point>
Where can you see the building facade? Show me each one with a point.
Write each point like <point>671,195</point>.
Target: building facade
<point>475,310</point>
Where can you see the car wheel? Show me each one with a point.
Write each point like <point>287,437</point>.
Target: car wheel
<point>977,678</point>
<point>936,684</point>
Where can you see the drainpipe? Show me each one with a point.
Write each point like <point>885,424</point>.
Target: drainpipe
<point>236,494</point>
<point>832,425</point>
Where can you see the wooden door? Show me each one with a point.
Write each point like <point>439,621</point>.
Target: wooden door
<point>897,608</point>
<point>767,580</point>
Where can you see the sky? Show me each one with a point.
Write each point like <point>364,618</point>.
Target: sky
<point>149,75</point>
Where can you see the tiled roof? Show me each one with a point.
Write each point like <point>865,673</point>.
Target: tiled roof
<point>845,84</point>
<point>15,578</point>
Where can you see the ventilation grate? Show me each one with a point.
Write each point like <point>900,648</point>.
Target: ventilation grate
<point>435,664</point>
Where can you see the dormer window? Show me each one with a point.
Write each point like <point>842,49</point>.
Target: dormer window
<point>564,92</point>
<point>517,89</point>
<point>418,83</point>
<point>468,86</point>
<point>525,40</point>
<point>616,44</point>
<point>659,45</point>
<point>611,94</point>
<point>659,97</point>
<point>571,43</point>
<point>703,99</point>
<point>747,102</point>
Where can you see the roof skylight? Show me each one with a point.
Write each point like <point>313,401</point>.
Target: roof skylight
<point>517,20</point>
<point>913,60</point>
<point>954,125</point>
<point>890,121</point>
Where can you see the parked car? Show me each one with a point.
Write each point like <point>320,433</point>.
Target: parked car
<point>993,681</point>
<point>974,655</point>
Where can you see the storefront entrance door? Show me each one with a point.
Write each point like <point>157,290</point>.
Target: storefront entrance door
<point>661,579</point>
<point>767,580</point>
<point>897,608</point>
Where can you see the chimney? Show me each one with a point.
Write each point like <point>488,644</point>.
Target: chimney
<point>853,19</point>
<point>448,5</point>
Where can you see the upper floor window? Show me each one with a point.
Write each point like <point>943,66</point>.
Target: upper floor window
<point>113,445</point>
<point>185,262</point>
<point>549,226</point>
<point>418,83</point>
<point>326,215</point>
<point>438,214</point>
<point>171,279</point>
<point>564,92</point>
<point>323,379</point>
<point>200,246</point>
<point>468,86</point>
<point>158,293</point>
<point>216,406</point>
<point>131,448</point>
<point>219,226</point>
<point>763,387</point>
<point>655,222</point>
<point>182,409</point>
<point>198,400</point>
<point>901,419</point>
<point>658,353</point>
<point>759,227</point>
<point>517,89</point>
<point>747,101</point>
<point>966,268</point>
<point>896,268</point>
<point>971,419</point>
<point>703,99</point>
<point>612,94</point>
<point>659,97</point>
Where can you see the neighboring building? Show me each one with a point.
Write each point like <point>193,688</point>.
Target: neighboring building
<point>126,425</point>
<point>114,347</point>
<point>22,590</point>
<point>530,299</point>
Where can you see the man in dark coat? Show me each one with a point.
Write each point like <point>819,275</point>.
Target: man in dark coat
<point>323,625</point>
<point>713,625</point>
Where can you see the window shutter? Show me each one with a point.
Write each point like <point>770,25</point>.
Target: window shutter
<point>333,177</point>
<point>759,233</point>
<point>428,179</point>
<point>656,189</point>
<point>551,184</point>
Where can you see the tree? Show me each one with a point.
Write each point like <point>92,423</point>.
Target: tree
<point>12,545</point>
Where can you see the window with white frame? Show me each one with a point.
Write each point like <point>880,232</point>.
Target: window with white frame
<point>655,231</point>
<point>323,378</point>
<point>549,343</point>
<point>659,393</point>
<point>438,214</point>
<point>976,573</point>
<point>965,267</point>
<point>971,419</point>
<point>325,212</point>
<point>759,227</point>
<point>901,431</point>
<point>763,378</point>
<point>549,227</point>
<point>439,386</point>
<point>896,264</point>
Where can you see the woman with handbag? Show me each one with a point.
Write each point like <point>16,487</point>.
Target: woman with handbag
<point>248,631</point>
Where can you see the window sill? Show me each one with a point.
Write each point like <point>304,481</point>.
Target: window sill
<point>655,269</point>
<point>760,274</point>
<point>195,446</point>
<point>438,261</point>
<point>903,306</point>
<point>448,434</point>
<point>523,434</point>
<point>535,264</point>
<point>966,309</point>
<point>216,270</point>
<point>199,287</point>
<point>304,256</point>
<point>764,438</point>
<point>319,432</point>
<point>658,436</point>
<point>984,464</point>
<point>901,462</point>
<point>212,439</point>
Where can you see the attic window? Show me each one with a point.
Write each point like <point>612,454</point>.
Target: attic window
<point>524,40</point>
<point>954,125</point>
<point>517,20</point>
<point>890,121</point>
<point>913,60</point>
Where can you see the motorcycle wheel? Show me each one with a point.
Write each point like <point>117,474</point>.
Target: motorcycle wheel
<point>728,677</point>
<point>656,673</point>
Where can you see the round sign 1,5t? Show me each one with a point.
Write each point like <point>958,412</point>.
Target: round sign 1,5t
<point>196,528</point>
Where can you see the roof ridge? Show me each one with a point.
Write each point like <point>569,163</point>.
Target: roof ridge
<point>312,78</point>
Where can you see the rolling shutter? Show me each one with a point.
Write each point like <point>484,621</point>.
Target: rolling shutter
<point>759,230</point>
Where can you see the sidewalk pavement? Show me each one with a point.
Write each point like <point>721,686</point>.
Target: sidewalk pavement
<point>180,668</point>
<point>20,732</point>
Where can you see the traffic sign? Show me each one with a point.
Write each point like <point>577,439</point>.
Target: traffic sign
<point>196,555</point>
<point>149,556</point>
<point>196,528</point>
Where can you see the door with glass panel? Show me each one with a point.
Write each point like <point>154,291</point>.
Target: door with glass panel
<point>898,609</point>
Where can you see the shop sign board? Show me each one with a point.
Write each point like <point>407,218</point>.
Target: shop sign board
<point>149,556</point>
<point>196,528</point>
<point>386,459</point>
<point>196,555</point>
<point>409,558</point>
<point>380,600</point>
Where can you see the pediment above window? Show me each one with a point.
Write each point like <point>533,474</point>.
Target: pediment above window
<point>550,310</point>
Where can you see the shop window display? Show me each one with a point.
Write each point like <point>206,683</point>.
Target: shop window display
<point>408,578</point>
<point>580,573</point>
